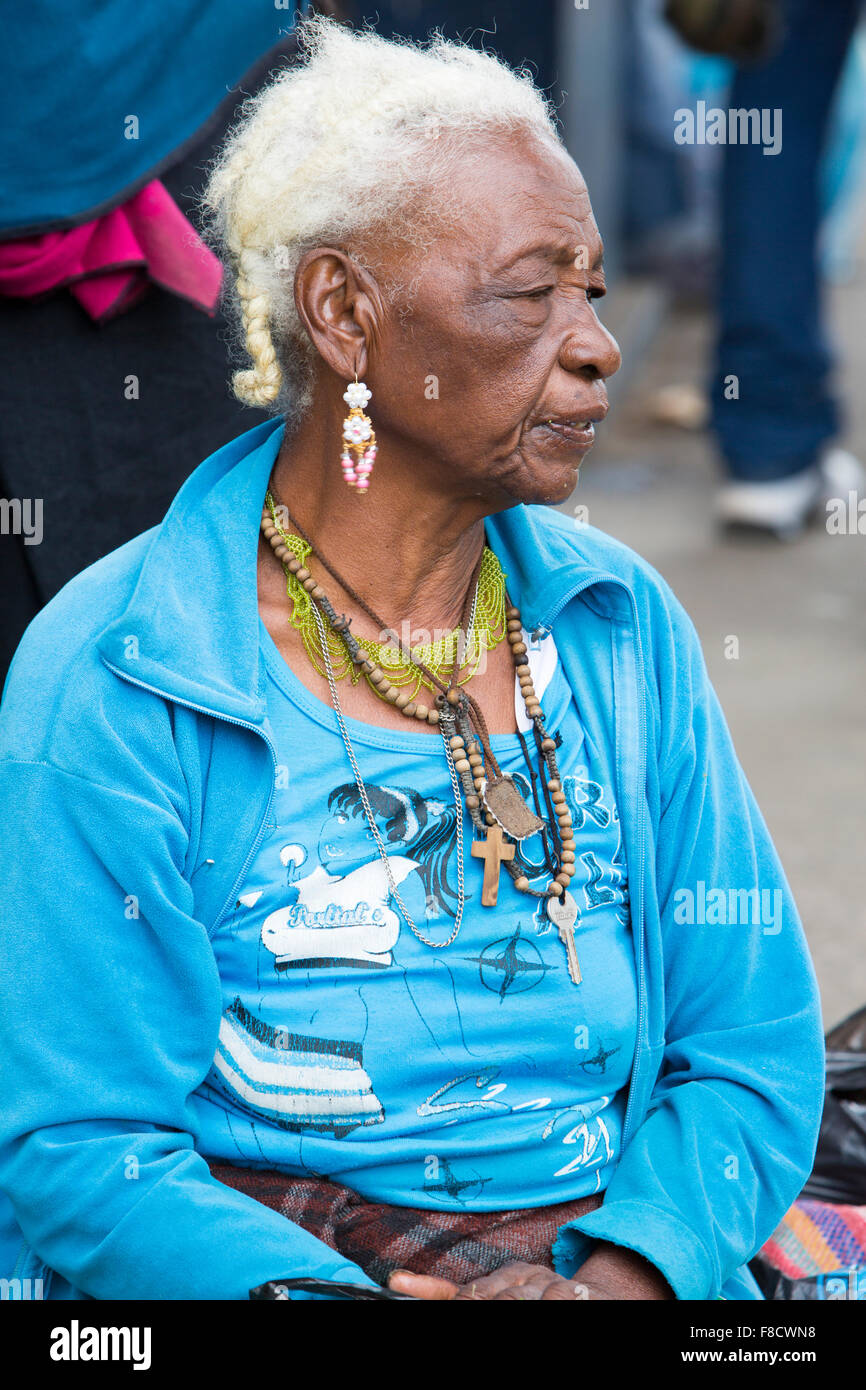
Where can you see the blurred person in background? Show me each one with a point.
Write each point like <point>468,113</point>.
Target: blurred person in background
<point>114,380</point>
<point>773,408</point>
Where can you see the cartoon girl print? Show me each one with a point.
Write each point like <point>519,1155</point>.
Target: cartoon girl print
<point>341,913</point>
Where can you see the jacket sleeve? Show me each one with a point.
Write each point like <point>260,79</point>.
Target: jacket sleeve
<point>108,1021</point>
<point>731,1127</point>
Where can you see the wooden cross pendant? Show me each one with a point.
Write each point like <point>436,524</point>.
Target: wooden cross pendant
<point>494,852</point>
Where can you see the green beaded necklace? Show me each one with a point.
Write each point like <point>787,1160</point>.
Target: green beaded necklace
<point>485,631</point>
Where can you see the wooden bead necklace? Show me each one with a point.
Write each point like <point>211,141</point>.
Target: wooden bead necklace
<point>494,803</point>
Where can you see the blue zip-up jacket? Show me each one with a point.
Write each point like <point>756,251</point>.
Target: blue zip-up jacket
<point>135,710</point>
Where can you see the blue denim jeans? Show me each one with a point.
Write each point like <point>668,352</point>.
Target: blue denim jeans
<point>770,334</point>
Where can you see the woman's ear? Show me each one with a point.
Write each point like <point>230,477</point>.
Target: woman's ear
<point>341,308</point>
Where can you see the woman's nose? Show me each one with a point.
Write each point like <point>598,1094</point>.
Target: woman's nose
<point>591,349</point>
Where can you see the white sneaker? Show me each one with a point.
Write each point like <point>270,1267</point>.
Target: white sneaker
<point>783,508</point>
<point>842,473</point>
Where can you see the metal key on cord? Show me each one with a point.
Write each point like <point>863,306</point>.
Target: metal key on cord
<point>563,913</point>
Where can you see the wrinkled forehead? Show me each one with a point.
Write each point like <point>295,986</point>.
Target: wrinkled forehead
<point>511,198</point>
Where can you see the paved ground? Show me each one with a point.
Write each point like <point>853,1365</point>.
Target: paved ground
<point>795,698</point>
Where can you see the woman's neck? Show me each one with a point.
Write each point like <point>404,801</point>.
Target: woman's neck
<point>408,550</point>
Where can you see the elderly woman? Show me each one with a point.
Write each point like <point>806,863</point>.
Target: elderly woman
<point>384,901</point>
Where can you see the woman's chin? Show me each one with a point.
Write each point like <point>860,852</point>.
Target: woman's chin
<point>551,470</point>
<point>552,486</point>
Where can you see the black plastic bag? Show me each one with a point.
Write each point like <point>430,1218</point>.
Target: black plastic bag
<point>277,1290</point>
<point>845,1284</point>
<point>839,1173</point>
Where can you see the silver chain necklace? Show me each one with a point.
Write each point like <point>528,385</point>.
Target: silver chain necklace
<point>368,810</point>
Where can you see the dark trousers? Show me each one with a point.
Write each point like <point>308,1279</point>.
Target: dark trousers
<point>770,334</point>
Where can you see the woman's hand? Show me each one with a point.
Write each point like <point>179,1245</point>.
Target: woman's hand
<point>611,1272</point>
<point>512,1281</point>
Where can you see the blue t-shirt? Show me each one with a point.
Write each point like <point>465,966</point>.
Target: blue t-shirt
<point>477,1076</point>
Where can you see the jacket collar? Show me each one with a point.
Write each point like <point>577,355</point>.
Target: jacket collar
<point>190,630</point>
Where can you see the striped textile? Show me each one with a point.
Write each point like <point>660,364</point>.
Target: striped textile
<point>457,1245</point>
<point>817,1238</point>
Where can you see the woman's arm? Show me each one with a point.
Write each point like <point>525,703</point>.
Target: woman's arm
<point>731,1128</point>
<point>109,1013</point>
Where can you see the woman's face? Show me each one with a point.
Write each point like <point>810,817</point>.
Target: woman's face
<point>345,842</point>
<point>495,376</point>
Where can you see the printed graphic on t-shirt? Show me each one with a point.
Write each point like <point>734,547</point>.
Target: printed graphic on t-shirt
<point>328,919</point>
<point>342,910</point>
<point>294,1080</point>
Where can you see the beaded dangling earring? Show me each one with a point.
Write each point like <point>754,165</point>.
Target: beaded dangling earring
<point>358,437</point>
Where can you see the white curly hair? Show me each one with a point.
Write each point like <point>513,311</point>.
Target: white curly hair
<point>350,146</point>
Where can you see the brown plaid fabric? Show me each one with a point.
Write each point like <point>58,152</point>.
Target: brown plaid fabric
<point>459,1245</point>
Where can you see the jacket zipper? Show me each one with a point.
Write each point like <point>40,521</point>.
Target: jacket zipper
<point>542,629</point>
<point>242,724</point>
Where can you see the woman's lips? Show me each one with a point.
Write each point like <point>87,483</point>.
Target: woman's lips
<point>577,434</point>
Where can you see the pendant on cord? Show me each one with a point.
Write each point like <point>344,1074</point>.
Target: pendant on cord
<point>507,807</point>
<point>495,852</point>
